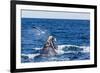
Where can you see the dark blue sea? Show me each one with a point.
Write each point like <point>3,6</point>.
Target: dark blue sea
<point>72,37</point>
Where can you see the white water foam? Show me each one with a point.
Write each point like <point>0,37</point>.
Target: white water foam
<point>61,51</point>
<point>30,56</point>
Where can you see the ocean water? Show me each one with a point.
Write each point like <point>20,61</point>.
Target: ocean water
<point>72,37</point>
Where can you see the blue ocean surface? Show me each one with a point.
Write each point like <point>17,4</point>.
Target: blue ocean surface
<point>72,35</point>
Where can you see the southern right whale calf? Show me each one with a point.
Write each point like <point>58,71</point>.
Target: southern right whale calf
<point>49,48</point>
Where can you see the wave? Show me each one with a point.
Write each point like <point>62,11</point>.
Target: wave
<point>72,48</point>
<point>64,53</point>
